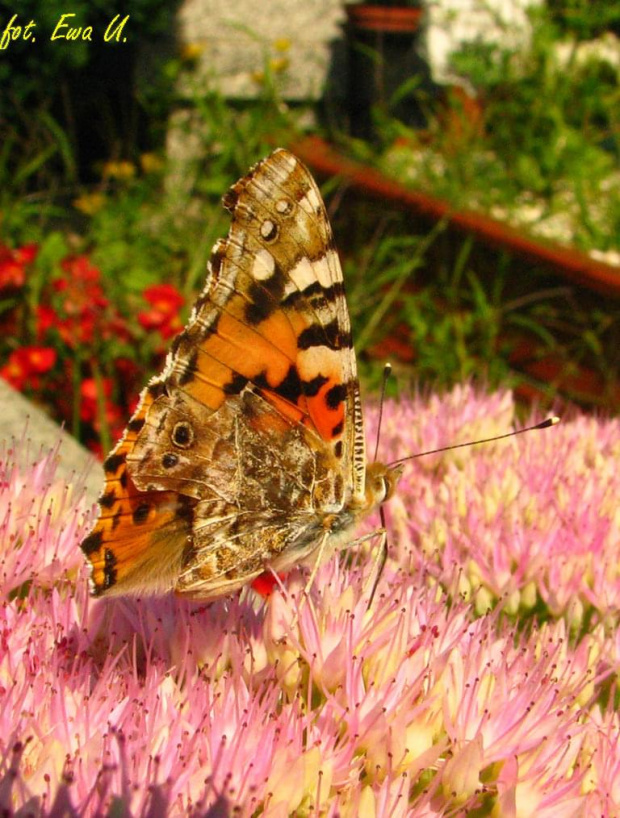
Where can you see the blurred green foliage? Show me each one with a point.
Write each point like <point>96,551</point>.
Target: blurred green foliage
<point>141,219</point>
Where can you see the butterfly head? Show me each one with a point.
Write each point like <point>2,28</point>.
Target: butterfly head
<point>381,482</point>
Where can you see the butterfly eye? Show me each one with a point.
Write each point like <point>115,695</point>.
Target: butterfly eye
<point>183,435</point>
<point>377,486</point>
<point>382,489</point>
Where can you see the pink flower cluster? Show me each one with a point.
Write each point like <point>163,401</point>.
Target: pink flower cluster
<point>471,684</point>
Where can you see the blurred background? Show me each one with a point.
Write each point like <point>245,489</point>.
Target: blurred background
<point>467,151</point>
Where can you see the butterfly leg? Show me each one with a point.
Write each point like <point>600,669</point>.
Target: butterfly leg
<point>381,558</point>
<point>378,562</point>
<point>320,552</point>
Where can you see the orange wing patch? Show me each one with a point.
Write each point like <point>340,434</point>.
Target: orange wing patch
<point>273,312</point>
<point>139,534</point>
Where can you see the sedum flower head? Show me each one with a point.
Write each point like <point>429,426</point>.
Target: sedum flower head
<point>471,684</point>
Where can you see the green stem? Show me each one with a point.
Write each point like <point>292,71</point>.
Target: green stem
<point>101,413</point>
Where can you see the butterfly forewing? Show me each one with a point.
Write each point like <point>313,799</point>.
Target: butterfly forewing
<point>254,427</point>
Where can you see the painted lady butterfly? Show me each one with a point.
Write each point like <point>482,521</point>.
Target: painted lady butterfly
<point>247,452</point>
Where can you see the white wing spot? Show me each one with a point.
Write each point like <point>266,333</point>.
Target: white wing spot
<point>325,270</point>
<point>283,206</point>
<point>268,229</point>
<point>312,202</point>
<point>303,274</point>
<point>328,269</point>
<point>328,362</point>
<point>286,159</point>
<point>263,265</point>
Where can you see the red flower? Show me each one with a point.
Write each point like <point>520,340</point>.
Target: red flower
<point>80,269</point>
<point>26,363</point>
<point>27,253</point>
<point>40,359</point>
<point>82,285</point>
<point>79,329</point>
<point>12,274</point>
<point>90,412</point>
<point>80,317</point>
<point>164,296</point>
<point>165,301</point>
<point>47,317</point>
<point>89,395</point>
<point>13,264</point>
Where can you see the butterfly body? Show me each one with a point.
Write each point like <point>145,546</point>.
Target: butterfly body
<point>247,452</point>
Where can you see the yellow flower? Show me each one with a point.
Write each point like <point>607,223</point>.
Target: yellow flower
<point>119,169</point>
<point>282,44</point>
<point>151,163</point>
<point>89,203</point>
<point>279,64</point>
<point>191,52</point>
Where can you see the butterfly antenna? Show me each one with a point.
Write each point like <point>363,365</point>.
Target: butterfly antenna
<point>545,424</point>
<point>382,558</point>
<point>387,371</point>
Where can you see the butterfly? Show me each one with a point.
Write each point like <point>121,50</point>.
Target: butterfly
<point>247,452</point>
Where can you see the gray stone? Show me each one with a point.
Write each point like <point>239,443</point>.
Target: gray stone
<point>21,420</point>
<point>296,41</point>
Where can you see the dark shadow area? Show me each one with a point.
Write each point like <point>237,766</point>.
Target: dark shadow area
<point>77,85</point>
<point>377,69</point>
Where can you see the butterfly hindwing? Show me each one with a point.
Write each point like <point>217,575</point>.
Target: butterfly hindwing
<point>138,541</point>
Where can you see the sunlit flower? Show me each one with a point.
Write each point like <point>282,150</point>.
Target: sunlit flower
<point>279,64</point>
<point>165,302</point>
<point>41,520</point>
<point>122,170</point>
<point>89,203</point>
<point>191,52</point>
<point>25,364</point>
<point>530,521</point>
<point>13,265</point>
<point>151,163</point>
<point>27,253</point>
<point>96,397</point>
<point>311,702</point>
<point>81,314</point>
